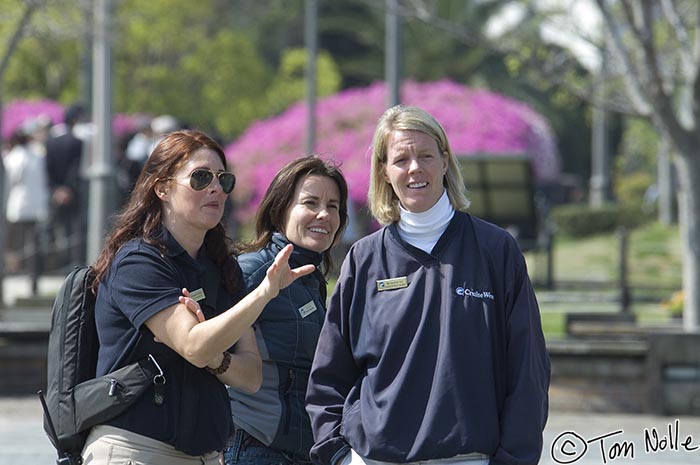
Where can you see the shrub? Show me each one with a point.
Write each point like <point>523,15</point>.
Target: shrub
<point>674,305</point>
<point>577,220</point>
<point>476,121</point>
<point>630,189</point>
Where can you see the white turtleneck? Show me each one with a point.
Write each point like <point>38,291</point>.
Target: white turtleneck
<point>422,230</point>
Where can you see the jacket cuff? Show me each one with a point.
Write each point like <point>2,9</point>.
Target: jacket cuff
<point>339,455</point>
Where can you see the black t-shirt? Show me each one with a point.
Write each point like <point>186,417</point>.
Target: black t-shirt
<point>195,417</point>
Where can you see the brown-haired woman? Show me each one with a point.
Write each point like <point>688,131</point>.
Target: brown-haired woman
<point>306,206</point>
<point>169,239</point>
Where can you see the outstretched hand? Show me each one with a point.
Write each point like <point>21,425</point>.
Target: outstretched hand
<point>281,275</point>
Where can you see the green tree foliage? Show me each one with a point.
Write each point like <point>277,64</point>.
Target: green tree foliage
<point>639,147</point>
<point>46,63</point>
<point>232,81</point>
<point>207,64</point>
<point>220,64</point>
<point>450,38</point>
<point>353,32</point>
<point>635,165</point>
<point>289,84</point>
<point>273,25</point>
<point>33,73</point>
<point>214,64</point>
<point>175,58</point>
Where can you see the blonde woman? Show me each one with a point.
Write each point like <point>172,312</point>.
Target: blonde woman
<point>432,350</point>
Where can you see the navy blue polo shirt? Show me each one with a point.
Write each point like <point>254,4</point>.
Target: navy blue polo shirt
<point>195,417</point>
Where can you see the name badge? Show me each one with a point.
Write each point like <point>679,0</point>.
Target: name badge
<point>307,309</point>
<point>197,295</point>
<point>392,283</point>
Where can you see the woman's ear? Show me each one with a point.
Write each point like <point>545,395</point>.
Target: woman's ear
<point>161,189</point>
<point>382,167</point>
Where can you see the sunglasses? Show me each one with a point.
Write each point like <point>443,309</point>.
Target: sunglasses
<point>201,178</point>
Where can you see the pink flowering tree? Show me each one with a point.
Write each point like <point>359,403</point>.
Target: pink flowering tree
<point>476,121</point>
<point>124,124</point>
<point>20,112</point>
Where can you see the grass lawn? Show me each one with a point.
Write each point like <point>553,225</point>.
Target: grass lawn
<point>654,271</point>
<point>654,258</point>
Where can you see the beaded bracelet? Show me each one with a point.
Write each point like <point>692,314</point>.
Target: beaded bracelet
<point>225,362</point>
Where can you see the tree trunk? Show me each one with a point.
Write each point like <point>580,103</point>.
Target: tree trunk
<point>3,223</point>
<point>666,183</point>
<point>689,215</point>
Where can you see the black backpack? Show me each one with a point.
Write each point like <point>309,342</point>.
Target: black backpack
<point>75,399</point>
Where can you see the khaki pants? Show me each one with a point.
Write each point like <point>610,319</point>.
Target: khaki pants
<point>107,445</point>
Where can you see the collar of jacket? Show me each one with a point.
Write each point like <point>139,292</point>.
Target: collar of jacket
<point>300,256</point>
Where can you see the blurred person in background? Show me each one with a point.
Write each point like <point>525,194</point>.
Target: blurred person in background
<point>138,148</point>
<point>38,130</point>
<point>162,125</point>
<point>64,151</point>
<point>26,209</point>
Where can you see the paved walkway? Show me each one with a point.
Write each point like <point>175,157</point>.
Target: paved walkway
<point>568,438</point>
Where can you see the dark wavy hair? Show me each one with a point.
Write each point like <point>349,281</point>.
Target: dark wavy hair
<point>280,194</point>
<point>141,217</point>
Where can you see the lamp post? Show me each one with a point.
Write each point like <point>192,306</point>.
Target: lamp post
<point>311,40</point>
<point>392,53</point>
<point>101,172</point>
<point>600,189</point>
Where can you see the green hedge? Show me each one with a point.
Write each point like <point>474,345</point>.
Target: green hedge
<point>579,220</point>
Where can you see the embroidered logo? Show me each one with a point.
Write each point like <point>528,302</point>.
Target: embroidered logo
<point>461,291</point>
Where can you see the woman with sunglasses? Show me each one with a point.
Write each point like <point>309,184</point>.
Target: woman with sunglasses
<point>306,206</point>
<point>169,241</point>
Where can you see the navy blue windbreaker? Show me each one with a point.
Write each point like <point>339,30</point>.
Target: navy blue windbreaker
<point>427,356</point>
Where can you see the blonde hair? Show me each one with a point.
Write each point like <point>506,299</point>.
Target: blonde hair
<point>383,202</point>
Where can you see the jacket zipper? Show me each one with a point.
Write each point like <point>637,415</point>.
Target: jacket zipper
<point>114,385</point>
<point>287,390</point>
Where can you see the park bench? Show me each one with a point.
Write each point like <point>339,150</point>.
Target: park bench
<point>602,325</point>
<point>502,191</point>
